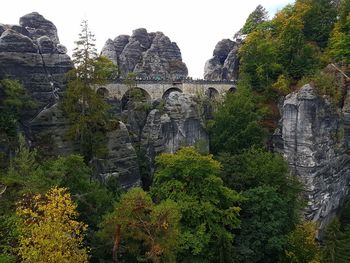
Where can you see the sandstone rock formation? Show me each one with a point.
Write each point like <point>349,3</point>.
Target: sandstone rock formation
<point>121,162</point>
<point>175,124</point>
<point>311,138</point>
<point>48,133</point>
<point>148,55</point>
<point>31,53</point>
<point>224,63</point>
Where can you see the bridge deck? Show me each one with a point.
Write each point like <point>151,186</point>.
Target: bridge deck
<point>157,89</point>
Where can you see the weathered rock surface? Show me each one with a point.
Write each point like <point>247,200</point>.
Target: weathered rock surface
<point>148,55</point>
<point>38,26</point>
<point>224,63</point>
<point>311,138</point>
<point>31,53</point>
<point>122,162</point>
<point>48,133</point>
<point>175,125</point>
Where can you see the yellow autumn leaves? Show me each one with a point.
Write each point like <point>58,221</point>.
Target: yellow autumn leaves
<point>50,231</point>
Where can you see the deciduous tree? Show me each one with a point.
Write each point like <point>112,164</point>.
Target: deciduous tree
<point>209,209</point>
<point>148,231</point>
<point>50,232</point>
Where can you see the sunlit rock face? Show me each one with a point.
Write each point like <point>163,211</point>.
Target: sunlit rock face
<point>311,138</point>
<point>224,63</point>
<point>149,55</point>
<point>31,53</point>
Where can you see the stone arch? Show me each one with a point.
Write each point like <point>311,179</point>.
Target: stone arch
<point>103,92</point>
<point>212,93</point>
<point>170,90</point>
<point>232,89</point>
<point>135,94</point>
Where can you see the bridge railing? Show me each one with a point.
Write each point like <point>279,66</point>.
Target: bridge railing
<point>176,82</point>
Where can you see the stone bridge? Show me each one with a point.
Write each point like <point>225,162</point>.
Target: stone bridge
<point>161,89</point>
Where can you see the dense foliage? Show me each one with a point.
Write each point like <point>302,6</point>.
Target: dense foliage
<point>148,231</point>
<point>209,209</point>
<point>336,241</point>
<point>236,124</point>
<point>50,232</point>
<point>237,204</point>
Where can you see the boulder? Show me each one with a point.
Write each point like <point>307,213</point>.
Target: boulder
<point>311,138</point>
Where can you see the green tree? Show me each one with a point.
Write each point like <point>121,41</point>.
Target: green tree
<point>257,17</point>
<point>319,20</point>
<point>21,177</point>
<point>14,104</point>
<point>93,199</point>
<point>330,241</point>
<point>236,124</point>
<point>265,224</point>
<point>87,111</point>
<point>302,245</point>
<point>259,58</point>
<point>50,232</point>
<point>209,209</point>
<point>296,55</point>
<point>339,45</point>
<point>26,175</point>
<point>336,243</point>
<point>271,205</point>
<point>148,231</point>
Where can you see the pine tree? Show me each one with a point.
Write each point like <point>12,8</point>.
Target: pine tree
<point>87,110</point>
<point>258,16</point>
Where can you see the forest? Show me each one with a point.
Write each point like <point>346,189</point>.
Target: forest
<point>236,203</point>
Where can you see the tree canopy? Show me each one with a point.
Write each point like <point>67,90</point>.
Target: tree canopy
<point>50,230</point>
<point>209,209</point>
<point>258,16</point>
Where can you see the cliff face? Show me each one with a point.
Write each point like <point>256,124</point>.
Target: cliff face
<point>31,53</point>
<point>148,55</point>
<point>311,138</point>
<point>224,63</point>
<point>176,124</point>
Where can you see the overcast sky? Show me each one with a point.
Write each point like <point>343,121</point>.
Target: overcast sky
<point>195,25</point>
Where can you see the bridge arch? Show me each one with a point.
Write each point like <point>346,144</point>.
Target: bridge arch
<point>103,92</point>
<point>232,89</point>
<point>212,93</point>
<point>134,94</point>
<point>170,90</point>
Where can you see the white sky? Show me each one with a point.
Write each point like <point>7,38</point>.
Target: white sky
<point>196,26</point>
